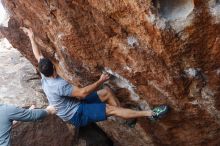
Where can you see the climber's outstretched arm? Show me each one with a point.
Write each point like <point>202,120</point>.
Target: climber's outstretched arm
<point>81,93</point>
<point>37,53</point>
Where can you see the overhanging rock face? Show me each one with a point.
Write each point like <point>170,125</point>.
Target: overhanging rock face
<point>160,52</point>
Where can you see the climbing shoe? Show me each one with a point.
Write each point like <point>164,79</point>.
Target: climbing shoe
<point>159,112</point>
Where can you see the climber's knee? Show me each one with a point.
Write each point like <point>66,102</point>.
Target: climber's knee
<point>103,94</point>
<point>111,110</point>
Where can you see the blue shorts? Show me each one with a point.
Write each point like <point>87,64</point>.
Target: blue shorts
<point>91,109</point>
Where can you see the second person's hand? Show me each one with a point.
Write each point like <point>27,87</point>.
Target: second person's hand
<point>51,110</point>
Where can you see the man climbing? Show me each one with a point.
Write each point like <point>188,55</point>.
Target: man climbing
<point>9,114</point>
<point>84,105</point>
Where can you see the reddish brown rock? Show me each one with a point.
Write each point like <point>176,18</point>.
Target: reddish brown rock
<point>159,52</point>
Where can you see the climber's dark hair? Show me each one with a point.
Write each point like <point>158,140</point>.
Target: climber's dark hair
<point>46,67</point>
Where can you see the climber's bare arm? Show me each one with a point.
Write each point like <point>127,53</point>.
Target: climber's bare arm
<point>81,93</point>
<point>37,53</point>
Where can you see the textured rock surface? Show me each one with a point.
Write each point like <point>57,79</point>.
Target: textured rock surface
<point>159,52</point>
<point>50,132</point>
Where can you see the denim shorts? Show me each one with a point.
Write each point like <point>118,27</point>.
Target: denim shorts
<point>91,109</point>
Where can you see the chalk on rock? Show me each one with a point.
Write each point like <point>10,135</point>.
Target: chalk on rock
<point>192,72</point>
<point>132,41</point>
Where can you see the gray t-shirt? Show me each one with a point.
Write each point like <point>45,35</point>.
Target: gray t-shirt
<point>59,93</point>
<point>8,113</point>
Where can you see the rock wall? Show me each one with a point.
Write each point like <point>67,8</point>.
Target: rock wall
<point>51,131</point>
<point>159,51</point>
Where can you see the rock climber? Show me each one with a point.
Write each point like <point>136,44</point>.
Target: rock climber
<point>81,106</point>
<point>9,115</point>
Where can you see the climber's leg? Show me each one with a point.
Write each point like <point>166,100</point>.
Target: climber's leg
<point>156,113</point>
<point>95,112</point>
<point>126,113</point>
<point>106,95</point>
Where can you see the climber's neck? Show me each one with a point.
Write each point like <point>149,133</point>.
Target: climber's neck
<point>55,75</point>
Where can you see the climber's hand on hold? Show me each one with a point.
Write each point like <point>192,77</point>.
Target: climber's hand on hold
<point>104,77</point>
<point>37,52</point>
<point>28,32</point>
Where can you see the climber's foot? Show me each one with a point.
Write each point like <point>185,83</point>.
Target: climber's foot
<point>159,112</point>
